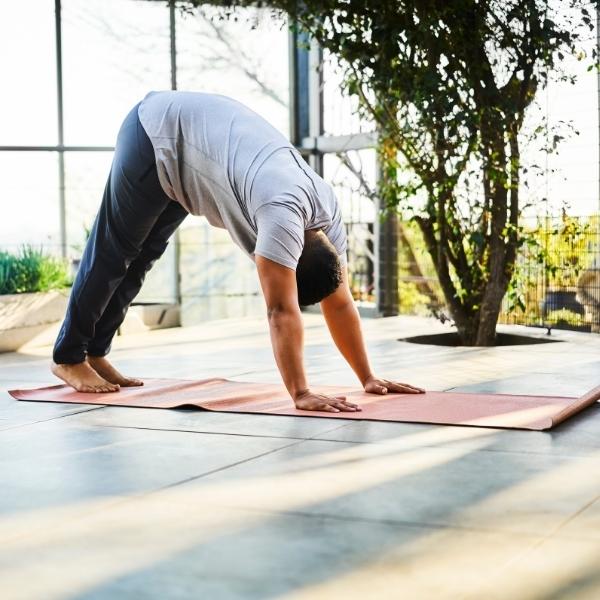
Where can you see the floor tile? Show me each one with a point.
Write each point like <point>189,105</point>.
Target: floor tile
<point>585,524</point>
<point>53,462</point>
<point>167,545</point>
<point>579,436</point>
<point>139,503</point>
<point>14,413</point>
<point>209,422</point>
<point>454,486</point>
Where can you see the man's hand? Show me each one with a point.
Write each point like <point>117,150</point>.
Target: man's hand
<point>307,400</point>
<point>375,385</point>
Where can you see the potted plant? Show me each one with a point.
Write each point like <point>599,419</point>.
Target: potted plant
<point>33,297</point>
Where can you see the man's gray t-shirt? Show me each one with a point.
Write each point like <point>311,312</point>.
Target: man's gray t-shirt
<point>219,159</point>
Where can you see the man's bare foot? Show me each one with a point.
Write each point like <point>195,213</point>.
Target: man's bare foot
<point>83,378</point>
<point>102,366</point>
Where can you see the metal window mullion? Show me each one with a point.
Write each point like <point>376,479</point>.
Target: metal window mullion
<point>299,99</point>
<point>315,101</point>
<point>62,206</point>
<point>597,257</point>
<point>57,148</point>
<point>176,237</point>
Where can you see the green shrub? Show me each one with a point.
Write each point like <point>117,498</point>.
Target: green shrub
<point>412,301</point>
<point>32,271</point>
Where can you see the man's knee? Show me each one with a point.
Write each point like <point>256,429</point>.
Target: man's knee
<point>149,254</point>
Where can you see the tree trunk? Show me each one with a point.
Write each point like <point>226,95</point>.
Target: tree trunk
<point>486,333</point>
<point>467,329</point>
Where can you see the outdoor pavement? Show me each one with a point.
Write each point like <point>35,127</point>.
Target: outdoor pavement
<point>110,502</point>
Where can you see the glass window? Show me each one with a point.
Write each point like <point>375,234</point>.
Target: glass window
<point>85,177</point>
<point>160,282</point>
<point>340,116</point>
<point>568,179</point>
<point>114,52</point>
<point>246,59</point>
<point>28,74</point>
<point>29,200</point>
<point>357,206</point>
<point>217,279</point>
<point>86,174</point>
<point>572,177</point>
<point>359,213</point>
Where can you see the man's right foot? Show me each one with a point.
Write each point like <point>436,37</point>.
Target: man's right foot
<point>83,378</point>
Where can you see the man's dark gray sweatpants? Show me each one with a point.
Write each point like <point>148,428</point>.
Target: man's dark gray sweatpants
<point>130,232</point>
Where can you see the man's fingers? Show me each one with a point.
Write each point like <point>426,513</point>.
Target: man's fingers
<point>345,407</point>
<point>352,405</point>
<point>404,388</point>
<point>383,386</point>
<point>377,388</point>
<point>320,402</point>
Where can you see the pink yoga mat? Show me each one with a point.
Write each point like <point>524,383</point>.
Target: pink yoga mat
<point>444,408</point>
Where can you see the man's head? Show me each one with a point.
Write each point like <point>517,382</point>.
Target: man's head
<point>318,273</point>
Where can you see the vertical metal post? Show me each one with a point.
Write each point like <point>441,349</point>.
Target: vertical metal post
<point>315,101</point>
<point>176,237</point>
<point>299,86</point>
<point>387,298</point>
<point>306,92</point>
<point>62,205</point>
<point>597,257</point>
<point>173,44</point>
<point>292,84</point>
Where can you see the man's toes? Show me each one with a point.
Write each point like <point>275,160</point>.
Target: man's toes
<point>130,382</point>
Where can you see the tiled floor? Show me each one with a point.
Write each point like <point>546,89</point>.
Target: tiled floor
<point>108,502</point>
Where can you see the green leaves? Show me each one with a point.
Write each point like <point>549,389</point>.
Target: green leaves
<point>31,271</point>
<point>477,239</point>
<point>448,85</point>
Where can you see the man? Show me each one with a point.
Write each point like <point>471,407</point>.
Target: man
<point>206,154</point>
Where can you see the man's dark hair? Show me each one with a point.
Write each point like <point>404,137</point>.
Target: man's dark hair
<point>318,273</point>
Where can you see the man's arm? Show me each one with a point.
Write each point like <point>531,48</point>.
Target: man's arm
<point>278,284</point>
<point>343,322</point>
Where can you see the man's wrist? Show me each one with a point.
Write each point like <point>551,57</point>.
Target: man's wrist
<point>365,379</point>
<point>298,394</point>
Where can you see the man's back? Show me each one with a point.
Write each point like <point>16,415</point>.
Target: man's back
<point>220,159</point>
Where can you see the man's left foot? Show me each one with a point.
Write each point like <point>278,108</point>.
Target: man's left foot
<point>102,366</point>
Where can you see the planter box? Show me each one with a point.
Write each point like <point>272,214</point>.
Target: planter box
<point>31,319</point>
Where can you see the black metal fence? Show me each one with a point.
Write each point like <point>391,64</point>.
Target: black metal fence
<point>558,276</point>
<point>556,284</point>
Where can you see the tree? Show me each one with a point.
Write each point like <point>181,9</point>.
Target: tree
<point>448,85</point>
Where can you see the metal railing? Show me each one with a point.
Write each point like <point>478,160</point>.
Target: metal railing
<point>558,276</point>
<point>557,281</point>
